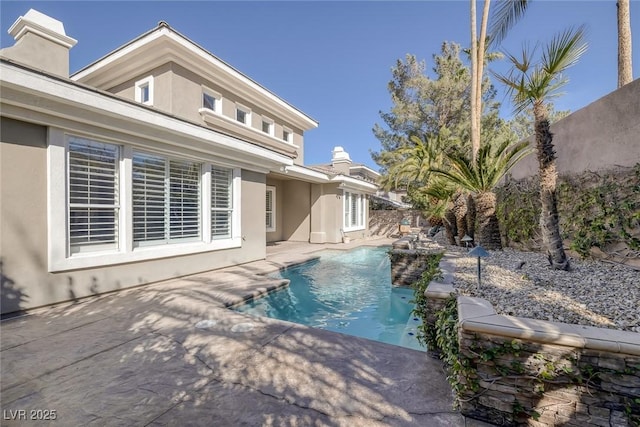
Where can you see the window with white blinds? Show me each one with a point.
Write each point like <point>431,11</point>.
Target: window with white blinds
<point>271,208</point>
<point>112,203</point>
<point>166,200</point>
<point>93,206</point>
<point>354,215</point>
<point>221,202</point>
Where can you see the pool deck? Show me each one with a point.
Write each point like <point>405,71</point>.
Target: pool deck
<point>171,354</point>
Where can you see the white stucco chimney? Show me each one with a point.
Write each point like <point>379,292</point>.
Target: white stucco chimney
<point>340,160</point>
<point>41,43</point>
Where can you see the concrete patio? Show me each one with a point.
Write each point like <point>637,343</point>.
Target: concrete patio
<point>172,354</point>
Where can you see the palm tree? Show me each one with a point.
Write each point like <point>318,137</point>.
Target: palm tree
<point>412,169</point>
<point>480,177</point>
<point>441,194</point>
<point>478,50</point>
<point>508,12</point>
<point>625,74</point>
<point>534,84</point>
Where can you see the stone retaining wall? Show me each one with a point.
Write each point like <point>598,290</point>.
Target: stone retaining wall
<point>532,372</point>
<point>407,266</point>
<point>387,222</point>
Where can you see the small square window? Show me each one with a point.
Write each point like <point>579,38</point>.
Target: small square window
<point>286,135</point>
<point>242,115</point>
<point>144,91</point>
<point>267,126</point>
<point>209,101</point>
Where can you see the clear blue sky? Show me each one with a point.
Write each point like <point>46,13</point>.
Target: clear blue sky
<point>333,59</point>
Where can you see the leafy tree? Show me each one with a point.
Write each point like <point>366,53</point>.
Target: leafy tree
<point>531,84</point>
<point>423,105</point>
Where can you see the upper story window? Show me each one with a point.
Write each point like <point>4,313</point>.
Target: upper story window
<point>267,126</point>
<point>144,91</point>
<point>211,100</point>
<point>287,135</point>
<point>243,114</point>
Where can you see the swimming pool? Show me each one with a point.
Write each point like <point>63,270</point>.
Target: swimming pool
<point>348,292</point>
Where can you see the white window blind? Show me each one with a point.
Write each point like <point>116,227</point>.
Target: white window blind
<point>221,202</point>
<point>270,209</point>
<point>354,209</point>
<point>166,199</point>
<point>347,210</point>
<point>149,204</point>
<point>184,199</point>
<point>93,195</point>
<point>354,215</point>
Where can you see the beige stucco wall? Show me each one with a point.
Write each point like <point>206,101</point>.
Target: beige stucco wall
<point>297,202</point>
<point>602,135</point>
<point>293,210</point>
<point>39,53</point>
<point>178,91</point>
<point>26,283</point>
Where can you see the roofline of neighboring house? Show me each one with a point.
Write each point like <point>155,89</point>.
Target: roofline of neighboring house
<point>200,58</point>
<point>91,106</point>
<point>367,168</point>
<point>315,176</point>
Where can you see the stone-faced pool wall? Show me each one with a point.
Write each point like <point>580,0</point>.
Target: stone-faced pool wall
<point>532,372</point>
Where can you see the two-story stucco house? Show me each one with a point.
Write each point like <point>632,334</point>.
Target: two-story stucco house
<point>156,161</point>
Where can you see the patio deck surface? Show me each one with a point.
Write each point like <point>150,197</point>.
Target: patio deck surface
<point>172,354</point>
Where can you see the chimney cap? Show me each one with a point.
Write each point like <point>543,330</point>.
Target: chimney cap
<point>42,25</point>
<point>339,155</point>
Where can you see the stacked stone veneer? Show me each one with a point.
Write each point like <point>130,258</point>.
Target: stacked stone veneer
<point>407,264</point>
<point>538,373</point>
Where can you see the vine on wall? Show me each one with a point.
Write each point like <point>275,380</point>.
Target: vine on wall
<point>596,210</point>
<point>425,334</point>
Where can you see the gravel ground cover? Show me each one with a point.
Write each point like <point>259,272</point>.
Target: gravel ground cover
<point>519,283</point>
<point>516,283</point>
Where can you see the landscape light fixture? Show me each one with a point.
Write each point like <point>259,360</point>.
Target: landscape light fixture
<point>467,239</point>
<point>479,252</point>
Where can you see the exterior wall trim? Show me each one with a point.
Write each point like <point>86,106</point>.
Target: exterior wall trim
<point>94,102</point>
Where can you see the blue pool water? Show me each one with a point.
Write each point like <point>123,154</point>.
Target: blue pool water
<point>348,292</point>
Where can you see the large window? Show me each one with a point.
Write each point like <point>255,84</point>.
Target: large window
<point>166,199</point>
<point>271,208</point>
<point>354,211</point>
<point>111,204</point>
<point>93,195</point>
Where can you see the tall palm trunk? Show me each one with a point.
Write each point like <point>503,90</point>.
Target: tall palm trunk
<point>460,211</point>
<point>450,227</point>
<point>549,223</point>
<point>488,229</point>
<point>471,216</point>
<point>625,74</point>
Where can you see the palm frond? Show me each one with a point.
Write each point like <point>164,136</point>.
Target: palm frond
<point>504,16</point>
<point>492,163</point>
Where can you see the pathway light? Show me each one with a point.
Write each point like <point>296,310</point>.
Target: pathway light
<point>479,252</point>
<point>466,239</point>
